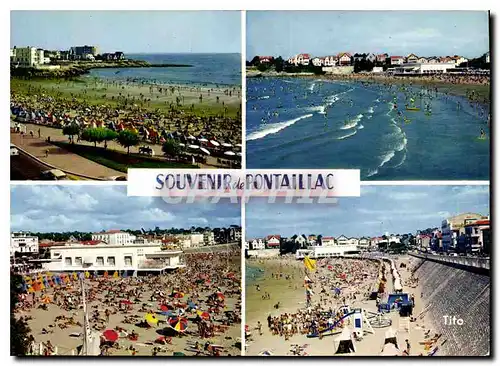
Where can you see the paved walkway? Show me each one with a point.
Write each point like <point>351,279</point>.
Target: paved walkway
<point>61,158</point>
<point>57,135</point>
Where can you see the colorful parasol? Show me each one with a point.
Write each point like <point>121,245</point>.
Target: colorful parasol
<point>178,295</point>
<point>203,314</point>
<point>178,324</point>
<point>110,335</point>
<point>164,307</point>
<point>220,295</point>
<point>126,302</point>
<point>151,319</point>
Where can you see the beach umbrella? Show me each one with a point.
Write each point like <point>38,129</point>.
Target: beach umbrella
<point>161,340</point>
<point>265,353</point>
<point>229,153</point>
<point>205,150</point>
<point>178,324</point>
<point>178,294</point>
<point>127,302</point>
<point>164,307</point>
<point>193,146</point>
<point>192,305</point>
<point>75,276</point>
<point>115,275</point>
<point>124,274</point>
<point>87,274</point>
<point>46,300</point>
<point>151,319</point>
<point>215,143</point>
<point>110,335</point>
<point>220,295</point>
<point>203,314</point>
<point>105,274</point>
<point>225,144</point>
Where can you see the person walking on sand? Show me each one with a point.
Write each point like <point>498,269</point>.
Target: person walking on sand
<point>46,153</point>
<point>39,134</point>
<point>259,327</point>
<point>408,347</point>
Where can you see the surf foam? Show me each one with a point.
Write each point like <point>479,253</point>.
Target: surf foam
<point>273,128</point>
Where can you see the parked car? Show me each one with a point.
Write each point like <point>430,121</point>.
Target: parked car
<point>53,174</point>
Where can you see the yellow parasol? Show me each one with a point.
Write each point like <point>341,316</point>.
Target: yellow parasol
<point>151,319</point>
<point>87,274</point>
<point>115,275</point>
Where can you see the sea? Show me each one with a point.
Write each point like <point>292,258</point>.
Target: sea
<point>217,70</point>
<point>328,124</point>
<point>252,274</point>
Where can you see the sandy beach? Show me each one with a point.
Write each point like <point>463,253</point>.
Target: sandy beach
<point>289,291</point>
<point>206,293</point>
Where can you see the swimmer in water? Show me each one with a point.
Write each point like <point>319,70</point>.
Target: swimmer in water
<point>483,134</point>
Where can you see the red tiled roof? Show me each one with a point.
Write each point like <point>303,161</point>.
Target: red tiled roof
<point>51,244</point>
<point>328,238</point>
<point>273,236</point>
<point>479,222</point>
<point>305,55</point>
<point>91,242</point>
<point>396,57</point>
<point>273,245</point>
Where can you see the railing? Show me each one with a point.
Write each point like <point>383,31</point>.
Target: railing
<point>481,263</point>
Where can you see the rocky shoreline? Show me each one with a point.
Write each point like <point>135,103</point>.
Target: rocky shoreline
<point>82,68</point>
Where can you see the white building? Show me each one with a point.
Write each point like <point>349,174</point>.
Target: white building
<point>107,257</point>
<point>397,60</point>
<point>488,57</point>
<point>343,240</point>
<point>301,240</point>
<point>114,237</point>
<point>364,244</point>
<point>330,61</point>
<point>208,238</point>
<point>22,243</point>
<point>27,57</point>
<point>273,241</point>
<point>318,61</point>
<point>312,240</point>
<point>327,241</point>
<point>327,252</point>
<point>257,244</point>
<point>422,69</point>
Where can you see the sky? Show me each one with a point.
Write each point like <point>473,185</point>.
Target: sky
<point>51,208</point>
<point>129,31</point>
<point>398,33</point>
<point>380,209</point>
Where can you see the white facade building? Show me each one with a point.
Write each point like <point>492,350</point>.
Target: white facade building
<point>364,244</point>
<point>422,69</point>
<point>107,257</point>
<point>22,243</point>
<point>327,241</point>
<point>257,244</point>
<point>114,237</point>
<point>327,252</point>
<point>208,238</point>
<point>27,56</point>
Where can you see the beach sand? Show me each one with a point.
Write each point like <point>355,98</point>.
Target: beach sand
<point>292,296</point>
<point>66,344</point>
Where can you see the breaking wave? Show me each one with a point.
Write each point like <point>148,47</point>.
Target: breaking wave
<point>273,128</point>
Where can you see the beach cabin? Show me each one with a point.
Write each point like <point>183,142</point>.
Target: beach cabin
<point>344,343</point>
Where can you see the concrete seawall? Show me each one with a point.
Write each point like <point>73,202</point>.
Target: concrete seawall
<point>452,291</point>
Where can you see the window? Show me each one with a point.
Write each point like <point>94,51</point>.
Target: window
<point>100,261</point>
<point>67,261</point>
<point>111,261</point>
<point>128,260</point>
<point>78,261</point>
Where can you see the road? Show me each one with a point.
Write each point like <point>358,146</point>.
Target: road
<point>61,158</point>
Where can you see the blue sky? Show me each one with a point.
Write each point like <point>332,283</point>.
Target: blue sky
<point>129,31</point>
<point>47,208</point>
<point>425,33</point>
<point>380,209</point>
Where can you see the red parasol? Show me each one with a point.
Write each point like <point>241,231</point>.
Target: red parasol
<point>164,307</point>
<point>127,302</point>
<point>110,335</point>
<point>178,324</point>
<point>220,295</point>
<point>204,315</point>
<point>330,268</point>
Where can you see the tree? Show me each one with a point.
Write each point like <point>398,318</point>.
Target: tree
<point>128,138</point>
<point>71,130</point>
<point>109,135</point>
<point>95,135</point>
<point>255,61</point>
<point>19,330</point>
<point>278,64</point>
<point>171,148</point>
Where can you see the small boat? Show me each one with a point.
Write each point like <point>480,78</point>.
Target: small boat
<point>412,109</point>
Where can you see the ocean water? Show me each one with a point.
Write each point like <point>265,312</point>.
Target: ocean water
<point>207,69</point>
<point>323,124</point>
<point>252,274</point>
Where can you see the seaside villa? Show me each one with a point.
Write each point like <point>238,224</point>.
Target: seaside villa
<point>328,251</point>
<point>95,255</point>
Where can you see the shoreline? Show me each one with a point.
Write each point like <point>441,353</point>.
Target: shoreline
<point>456,89</point>
<point>78,69</point>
